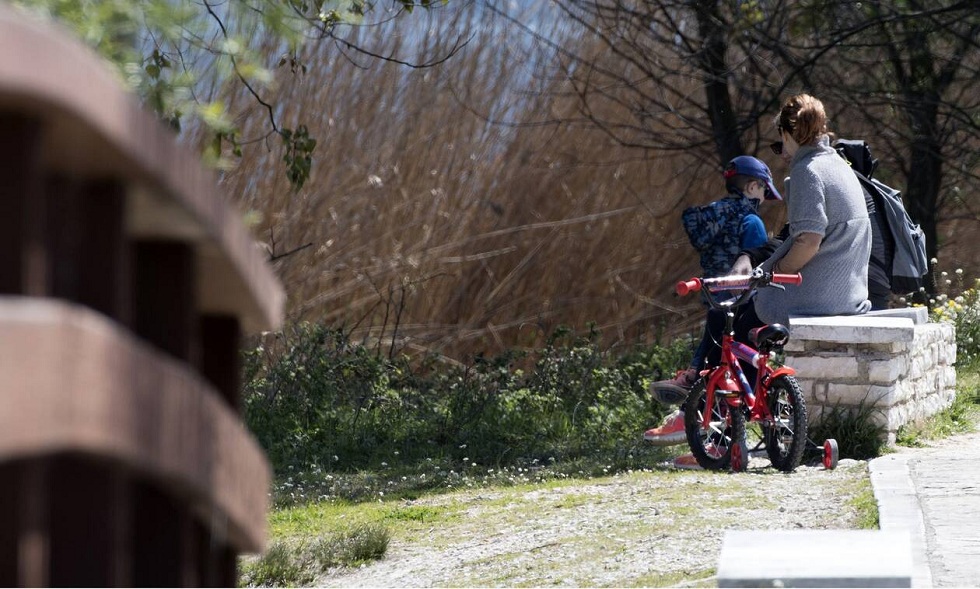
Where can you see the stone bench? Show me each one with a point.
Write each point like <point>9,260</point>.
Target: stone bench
<point>893,360</point>
<point>815,558</point>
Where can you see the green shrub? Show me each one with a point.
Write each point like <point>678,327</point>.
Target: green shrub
<point>858,434</point>
<point>299,564</point>
<point>320,404</point>
<point>959,304</point>
<point>963,312</point>
<point>364,543</point>
<point>960,417</point>
<point>280,566</point>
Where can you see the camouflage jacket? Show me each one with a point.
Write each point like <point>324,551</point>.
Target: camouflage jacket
<point>715,230</point>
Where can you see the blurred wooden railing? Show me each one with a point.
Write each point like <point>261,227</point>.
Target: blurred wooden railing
<point>126,282</point>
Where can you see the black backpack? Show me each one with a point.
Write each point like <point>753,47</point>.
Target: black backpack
<point>909,264</point>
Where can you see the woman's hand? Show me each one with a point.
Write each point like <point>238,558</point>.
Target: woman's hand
<point>805,246</point>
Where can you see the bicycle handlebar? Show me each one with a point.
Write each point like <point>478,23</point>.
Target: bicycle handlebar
<point>686,287</point>
<point>788,278</point>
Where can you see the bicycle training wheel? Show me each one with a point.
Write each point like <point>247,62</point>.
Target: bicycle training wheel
<point>712,447</point>
<point>786,437</point>
<point>831,454</point>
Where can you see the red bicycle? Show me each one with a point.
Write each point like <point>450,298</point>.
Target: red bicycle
<point>722,400</point>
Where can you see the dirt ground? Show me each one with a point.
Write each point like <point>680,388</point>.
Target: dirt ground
<point>652,528</point>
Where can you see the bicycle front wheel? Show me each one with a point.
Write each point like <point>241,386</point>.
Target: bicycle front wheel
<point>712,446</point>
<point>786,436</point>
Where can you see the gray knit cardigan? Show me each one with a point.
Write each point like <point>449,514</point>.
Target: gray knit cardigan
<point>823,197</point>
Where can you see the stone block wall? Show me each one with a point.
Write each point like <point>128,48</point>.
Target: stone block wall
<point>894,360</point>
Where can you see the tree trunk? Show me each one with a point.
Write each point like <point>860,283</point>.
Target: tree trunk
<point>922,194</point>
<point>712,60</point>
<point>922,90</point>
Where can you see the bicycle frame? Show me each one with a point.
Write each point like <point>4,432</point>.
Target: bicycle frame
<point>728,378</point>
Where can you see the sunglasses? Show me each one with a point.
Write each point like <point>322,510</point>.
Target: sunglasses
<point>777,147</point>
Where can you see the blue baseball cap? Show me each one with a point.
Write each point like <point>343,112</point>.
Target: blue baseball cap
<point>746,165</point>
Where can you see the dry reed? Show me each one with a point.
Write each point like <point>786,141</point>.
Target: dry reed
<point>428,225</point>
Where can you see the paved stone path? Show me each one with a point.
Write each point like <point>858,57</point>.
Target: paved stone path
<point>947,482</point>
<point>935,493</point>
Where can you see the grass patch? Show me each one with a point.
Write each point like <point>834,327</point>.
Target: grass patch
<point>332,518</point>
<point>291,564</point>
<point>416,513</point>
<point>573,500</point>
<point>866,506</point>
<point>317,519</point>
<point>960,417</point>
<point>702,578</point>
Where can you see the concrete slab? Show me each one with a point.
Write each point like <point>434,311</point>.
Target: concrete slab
<point>815,558</point>
<point>853,329</point>
<point>899,508</point>
<point>918,315</point>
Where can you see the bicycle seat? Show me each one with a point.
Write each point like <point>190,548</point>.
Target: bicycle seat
<point>768,337</point>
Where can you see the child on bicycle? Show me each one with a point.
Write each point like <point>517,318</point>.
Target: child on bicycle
<point>828,241</point>
<point>719,231</point>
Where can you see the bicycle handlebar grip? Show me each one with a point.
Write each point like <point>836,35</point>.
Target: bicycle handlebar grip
<point>788,278</point>
<point>686,287</point>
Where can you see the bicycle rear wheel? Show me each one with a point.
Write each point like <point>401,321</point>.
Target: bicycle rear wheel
<point>786,436</point>
<point>712,447</point>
